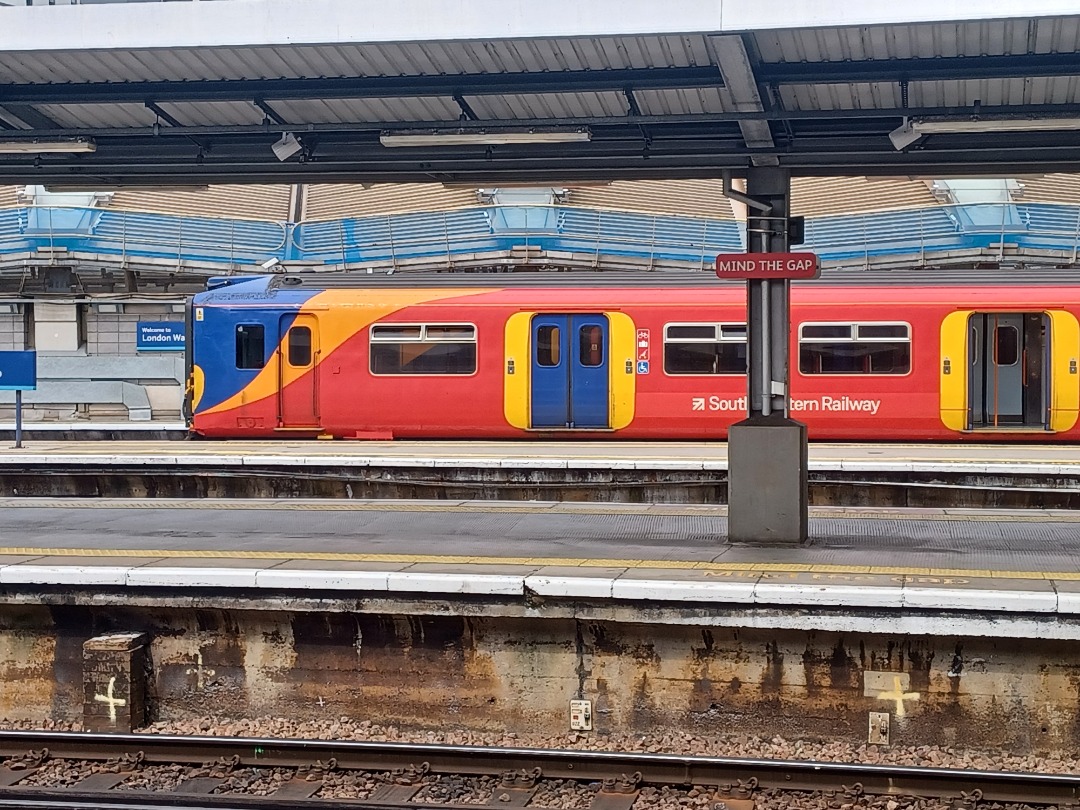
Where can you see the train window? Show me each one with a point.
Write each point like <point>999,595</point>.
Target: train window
<point>692,332</point>
<point>300,346</point>
<point>1006,345</point>
<point>250,345</point>
<point>451,333</point>
<point>705,348</point>
<point>591,345</point>
<point>828,330</point>
<point>547,346</point>
<point>423,349</point>
<point>855,348</point>
<point>883,330</point>
<point>396,332</point>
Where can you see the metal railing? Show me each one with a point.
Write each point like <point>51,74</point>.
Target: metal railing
<point>554,235</point>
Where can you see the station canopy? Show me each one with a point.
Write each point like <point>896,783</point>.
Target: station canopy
<point>494,93</point>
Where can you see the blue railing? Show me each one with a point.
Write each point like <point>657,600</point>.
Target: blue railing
<point>491,233</point>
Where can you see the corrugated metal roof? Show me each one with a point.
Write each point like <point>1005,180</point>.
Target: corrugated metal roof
<point>233,202</point>
<point>99,115</point>
<point>693,198</point>
<point>368,109</point>
<point>656,105</point>
<point>826,196</point>
<point>369,59</point>
<point>924,40</point>
<point>1052,188</point>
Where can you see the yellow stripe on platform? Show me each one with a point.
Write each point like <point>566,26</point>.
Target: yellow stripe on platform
<point>451,559</point>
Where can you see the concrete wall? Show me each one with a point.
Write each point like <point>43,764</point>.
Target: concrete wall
<point>88,365</point>
<point>519,674</point>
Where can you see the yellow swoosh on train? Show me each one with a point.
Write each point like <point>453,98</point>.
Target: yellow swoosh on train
<point>335,330</point>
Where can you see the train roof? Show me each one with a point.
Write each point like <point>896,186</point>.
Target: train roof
<point>1044,287</point>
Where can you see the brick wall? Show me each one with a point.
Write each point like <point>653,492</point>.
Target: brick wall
<point>12,332</point>
<point>114,332</point>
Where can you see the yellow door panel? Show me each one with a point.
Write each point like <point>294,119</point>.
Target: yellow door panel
<point>623,354</point>
<point>953,370</point>
<point>516,365</point>
<point>1064,379</point>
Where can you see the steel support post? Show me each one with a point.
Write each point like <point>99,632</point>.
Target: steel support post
<point>767,452</point>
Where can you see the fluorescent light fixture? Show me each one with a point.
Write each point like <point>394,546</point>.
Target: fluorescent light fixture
<point>480,137</point>
<point>959,127</point>
<point>913,129</point>
<point>34,147</point>
<point>286,147</point>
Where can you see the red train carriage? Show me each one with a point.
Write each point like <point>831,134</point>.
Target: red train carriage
<point>270,357</point>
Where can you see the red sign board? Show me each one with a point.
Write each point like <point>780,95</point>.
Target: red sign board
<point>766,265</point>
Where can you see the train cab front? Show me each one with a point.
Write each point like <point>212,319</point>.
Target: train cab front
<point>233,336</point>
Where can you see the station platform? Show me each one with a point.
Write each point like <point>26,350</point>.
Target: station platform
<point>1055,459</point>
<point>1010,476</point>
<point>996,573</point>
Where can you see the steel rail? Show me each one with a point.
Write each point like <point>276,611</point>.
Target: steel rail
<point>660,769</point>
<point>72,799</point>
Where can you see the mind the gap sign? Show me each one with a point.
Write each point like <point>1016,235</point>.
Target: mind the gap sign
<point>764,266</point>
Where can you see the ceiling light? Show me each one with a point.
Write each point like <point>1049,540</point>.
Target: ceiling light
<point>479,137</point>
<point>286,147</point>
<point>946,126</point>
<point>32,147</point>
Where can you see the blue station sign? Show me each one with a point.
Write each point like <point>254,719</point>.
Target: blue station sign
<point>159,336</point>
<point>18,371</point>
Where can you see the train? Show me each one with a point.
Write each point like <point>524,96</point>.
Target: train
<point>286,356</point>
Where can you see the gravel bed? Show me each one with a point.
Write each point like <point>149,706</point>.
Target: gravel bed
<point>559,794</point>
<point>155,777</point>
<point>687,744</point>
<point>457,790</point>
<point>255,781</point>
<point>351,784</point>
<point>563,794</point>
<point>60,773</point>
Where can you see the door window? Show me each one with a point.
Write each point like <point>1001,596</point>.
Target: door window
<point>591,345</point>
<point>300,346</point>
<point>1006,345</point>
<point>547,346</point>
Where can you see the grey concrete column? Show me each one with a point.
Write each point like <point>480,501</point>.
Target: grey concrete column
<point>114,682</point>
<point>767,453</point>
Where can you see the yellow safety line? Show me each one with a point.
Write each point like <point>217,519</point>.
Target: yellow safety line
<point>930,575</point>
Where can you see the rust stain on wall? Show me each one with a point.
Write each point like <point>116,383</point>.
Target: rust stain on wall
<point>491,673</point>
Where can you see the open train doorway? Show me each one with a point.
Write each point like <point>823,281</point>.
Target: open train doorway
<point>1009,355</point>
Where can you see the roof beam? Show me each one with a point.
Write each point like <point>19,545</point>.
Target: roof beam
<point>924,70</point>
<point>867,119</point>
<point>742,87</point>
<point>168,118</point>
<point>467,112</point>
<point>29,116</point>
<point>568,81</point>
<point>270,113</point>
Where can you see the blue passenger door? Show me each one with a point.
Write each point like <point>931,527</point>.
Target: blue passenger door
<point>569,382</point>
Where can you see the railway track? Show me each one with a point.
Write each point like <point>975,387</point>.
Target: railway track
<point>399,773</point>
